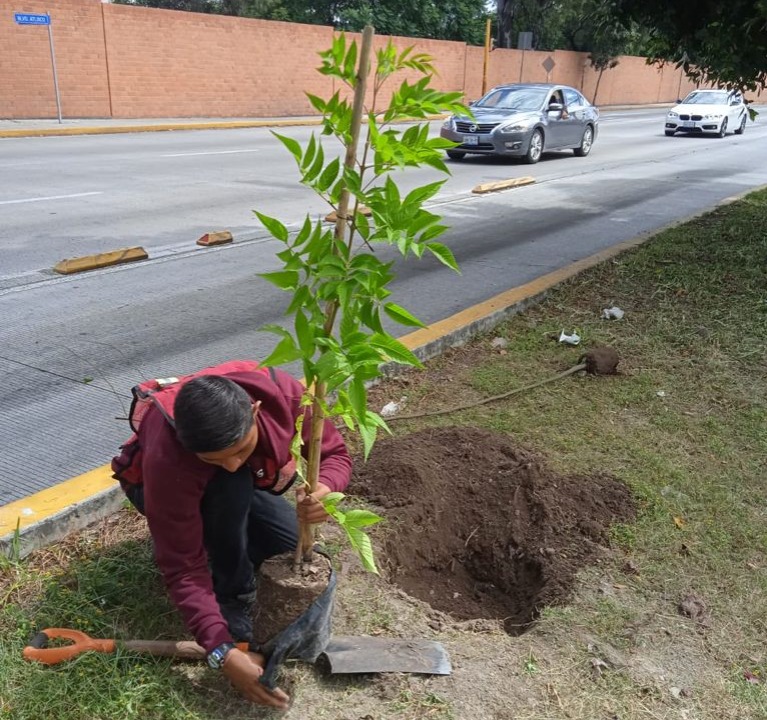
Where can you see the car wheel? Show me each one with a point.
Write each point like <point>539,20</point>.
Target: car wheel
<point>535,150</point>
<point>456,154</point>
<point>723,130</point>
<point>670,133</point>
<point>742,127</point>
<point>586,142</point>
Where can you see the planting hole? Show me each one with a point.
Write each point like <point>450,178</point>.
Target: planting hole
<point>479,527</point>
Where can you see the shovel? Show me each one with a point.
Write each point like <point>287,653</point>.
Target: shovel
<point>39,651</point>
<point>342,655</point>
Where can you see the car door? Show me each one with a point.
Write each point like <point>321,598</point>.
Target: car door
<point>736,110</point>
<point>577,109</point>
<point>557,124</point>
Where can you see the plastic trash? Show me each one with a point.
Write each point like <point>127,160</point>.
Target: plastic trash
<point>392,408</point>
<point>499,343</point>
<point>613,313</point>
<point>573,339</point>
<point>304,639</point>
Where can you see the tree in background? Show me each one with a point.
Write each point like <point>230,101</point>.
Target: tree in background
<point>715,43</point>
<point>461,20</point>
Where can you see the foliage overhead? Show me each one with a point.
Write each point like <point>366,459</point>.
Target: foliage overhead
<point>718,43</point>
<point>462,20</point>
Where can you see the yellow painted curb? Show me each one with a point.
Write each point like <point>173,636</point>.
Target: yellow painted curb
<point>162,127</point>
<point>92,262</point>
<point>463,319</point>
<point>46,503</point>
<point>503,185</point>
<point>215,238</point>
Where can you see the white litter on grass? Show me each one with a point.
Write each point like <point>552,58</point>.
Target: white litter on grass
<point>573,339</point>
<point>613,313</point>
<point>499,342</point>
<point>661,393</point>
<point>392,408</point>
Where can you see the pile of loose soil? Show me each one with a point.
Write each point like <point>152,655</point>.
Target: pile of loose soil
<point>479,527</point>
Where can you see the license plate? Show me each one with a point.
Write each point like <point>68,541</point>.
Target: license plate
<point>470,140</point>
<point>688,124</point>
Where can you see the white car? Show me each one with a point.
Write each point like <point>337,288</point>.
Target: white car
<point>708,111</point>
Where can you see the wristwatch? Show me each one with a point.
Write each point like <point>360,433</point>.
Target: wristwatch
<point>217,655</point>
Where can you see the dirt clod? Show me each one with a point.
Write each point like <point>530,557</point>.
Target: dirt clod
<point>601,361</point>
<point>480,528</point>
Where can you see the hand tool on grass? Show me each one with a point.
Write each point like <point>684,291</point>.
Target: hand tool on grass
<point>39,650</point>
<point>599,361</point>
<point>342,655</point>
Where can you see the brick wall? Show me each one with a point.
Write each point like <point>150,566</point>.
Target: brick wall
<point>125,61</point>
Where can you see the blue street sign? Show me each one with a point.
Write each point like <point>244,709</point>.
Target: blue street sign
<point>32,19</point>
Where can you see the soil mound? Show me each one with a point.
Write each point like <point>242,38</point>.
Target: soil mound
<point>479,527</point>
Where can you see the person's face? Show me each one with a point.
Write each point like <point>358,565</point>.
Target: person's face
<point>234,457</point>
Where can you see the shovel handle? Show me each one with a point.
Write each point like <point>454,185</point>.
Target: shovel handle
<point>38,646</point>
<point>39,651</point>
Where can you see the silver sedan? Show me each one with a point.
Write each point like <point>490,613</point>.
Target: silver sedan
<point>524,120</point>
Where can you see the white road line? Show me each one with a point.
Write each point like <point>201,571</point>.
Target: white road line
<point>212,152</point>
<point>50,197</point>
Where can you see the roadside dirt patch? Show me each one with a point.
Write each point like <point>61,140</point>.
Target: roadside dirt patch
<point>479,527</point>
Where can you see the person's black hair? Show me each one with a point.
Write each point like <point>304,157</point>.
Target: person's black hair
<point>212,413</point>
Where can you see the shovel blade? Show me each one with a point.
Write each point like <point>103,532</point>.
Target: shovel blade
<point>345,655</point>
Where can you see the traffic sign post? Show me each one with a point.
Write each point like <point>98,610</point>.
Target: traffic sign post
<point>43,19</point>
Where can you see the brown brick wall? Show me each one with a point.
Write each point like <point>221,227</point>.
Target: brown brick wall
<point>124,61</point>
<point>26,76</point>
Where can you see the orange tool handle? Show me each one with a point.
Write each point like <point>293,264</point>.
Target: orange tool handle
<point>39,651</point>
<point>38,646</point>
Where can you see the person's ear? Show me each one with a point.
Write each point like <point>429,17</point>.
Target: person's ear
<point>256,408</point>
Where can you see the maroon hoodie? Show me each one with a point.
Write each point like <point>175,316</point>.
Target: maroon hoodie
<point>175,481</point>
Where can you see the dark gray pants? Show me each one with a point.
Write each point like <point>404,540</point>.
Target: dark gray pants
<point>242,527</point>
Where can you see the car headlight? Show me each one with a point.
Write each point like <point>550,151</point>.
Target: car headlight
<point>714,116</point>
<point>517,126</point>
<point>449,124</point>
<point>672,114</point>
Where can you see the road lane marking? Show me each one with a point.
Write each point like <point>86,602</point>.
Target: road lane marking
<point>50,197</point>
<point>212,152</point>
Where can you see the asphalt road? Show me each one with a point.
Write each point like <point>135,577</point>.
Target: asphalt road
<point>71,347</point>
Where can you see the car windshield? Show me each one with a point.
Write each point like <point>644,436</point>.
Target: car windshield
<point>521,99</point>
<point>707,98</point>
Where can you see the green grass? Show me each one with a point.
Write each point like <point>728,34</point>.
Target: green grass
<point>684,424</point>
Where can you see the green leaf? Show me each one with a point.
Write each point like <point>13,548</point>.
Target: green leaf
<point>421,194</point>
<point>329,174</point>
<point>305,334</point>
<point>292,145</point>
<point>285,352</point>
<point>283,279</point>
<point>361,518</point>
<point>402,316</point>
<point>444,254</point>
<point>362,545</point>
<point>394,350</point>
<point>274,226</point>
<point>317,102</point>
<point>358,396</point>
<point>316,167</point>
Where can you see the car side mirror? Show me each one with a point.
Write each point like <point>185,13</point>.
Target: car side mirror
<point>556,107</point>
<point>678,101</point>
<point>472,102</point>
